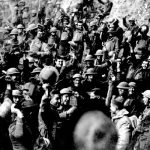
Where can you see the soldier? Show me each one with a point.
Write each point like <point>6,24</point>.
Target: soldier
<point>26,16</point>
<point>38,46</point>
<point>33,87</point>
<point>122,92</point>
<point>143,41</point>
<point>33,18</point>
<point>21,35</point>
<point>99,57</point>
<point>14,35</point>
<point>107,6</point>
<point>94,38</point>
<point>112,43</point>
<point>90,80</point>
<point>122,123</point>
<point>13,78</point>
<point>141,134</point>
<point>79,36</point>
<point>89,63</point>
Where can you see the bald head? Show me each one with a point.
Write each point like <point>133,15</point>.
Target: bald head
<point>95,131</point>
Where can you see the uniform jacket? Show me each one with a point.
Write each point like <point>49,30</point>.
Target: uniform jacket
<point>124,128</point>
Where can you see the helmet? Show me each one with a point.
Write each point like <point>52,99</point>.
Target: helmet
<point>20,26</point>
<point>77,75</point>
<point>33,11</point>
<point>65,91</point>
<point>132,19</point>
<point>144,29</point>
<point>111,30</point>
<point>89,57</point>
<point>58,3</point>
<point>21,3</point>
<point>30,59</point>
<point>132,84</point>
<point>68,25</point>
<point>49,74</point>
<point>31,27</point>
<point>36,70</point>
<point>53,29</point>
<point>12,71</point>
<point>90,71</point>
<point>93,23</point>
<point>14,32</point>
<point>113,21</point>
<point>123,85</point>
<point>146,93</point>
<point>98,124</point>
<point>16,93</point>
<point>99,52</point>
<point>49,2</point>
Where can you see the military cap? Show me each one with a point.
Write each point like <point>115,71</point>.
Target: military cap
<point>111,30</point>
<point>31,27</point>
<point>53,29</point>
<point>99,52</point>
<point>65,91</point>
<point>77,75</point>
<point>93,23</point>
<point>72,43</point>
<point>33,11</point>
<point>12,71</point>
<point>36,70</point>
<point>14,32</point>
<point>16,93</point>
<point>20,26</point>
<point>146,93</point>
<point>91,71</point>
<point>123,85</point>
<point>89,58</point>
<point>132,84</point>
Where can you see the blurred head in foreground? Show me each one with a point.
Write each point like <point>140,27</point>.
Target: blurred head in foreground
<point>95,131</point>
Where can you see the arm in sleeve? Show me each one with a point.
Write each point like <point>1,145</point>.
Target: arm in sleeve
<point>124,132</point>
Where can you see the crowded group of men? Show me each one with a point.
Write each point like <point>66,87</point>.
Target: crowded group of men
<point>57,65</point>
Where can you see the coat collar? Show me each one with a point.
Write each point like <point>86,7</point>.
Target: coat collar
<point>120,114</point>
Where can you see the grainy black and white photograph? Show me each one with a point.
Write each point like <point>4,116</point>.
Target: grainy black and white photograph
<point>74,75</point>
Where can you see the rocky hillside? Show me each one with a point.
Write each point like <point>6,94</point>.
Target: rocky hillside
<point>138,9</point>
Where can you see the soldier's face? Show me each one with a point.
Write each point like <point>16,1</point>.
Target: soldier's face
<point>80,26</point>
<point>16,99</point>
<point>77,82</point>
<point>14,36</point>
<point>20,31</point>
<point>131,90</point>
<point>138,56</point>
<point>31,64</point>
<point>145,100</point>
<point>65,23</point>
<point>39,34</point>
<point>65,99</point>
<point>121,92</point>
<point>99,57</point>
<point>113,109</point>
<point>15,78</point>
<point>59,63</point>
<point>55,101</point>
<point>89,63</point>
<point>144,64</point>
<point>90,77</point>
<point>37,77</point>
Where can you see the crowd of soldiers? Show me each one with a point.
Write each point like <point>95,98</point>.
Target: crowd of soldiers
<point>56,66</point>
